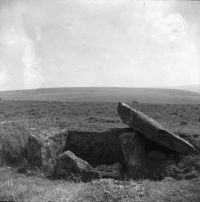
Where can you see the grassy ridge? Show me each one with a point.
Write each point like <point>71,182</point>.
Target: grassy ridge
<point>143,95</point>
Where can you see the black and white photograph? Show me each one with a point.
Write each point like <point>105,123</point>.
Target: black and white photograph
<point>99,100</point>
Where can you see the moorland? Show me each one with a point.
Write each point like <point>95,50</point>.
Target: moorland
<point>41,110</point>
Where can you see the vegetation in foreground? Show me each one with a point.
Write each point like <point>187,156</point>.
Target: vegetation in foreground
<point>19,118</point>
<point>18,187</point>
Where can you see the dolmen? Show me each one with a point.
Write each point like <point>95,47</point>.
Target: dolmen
<point>142,149</point>
<point>148,148</point>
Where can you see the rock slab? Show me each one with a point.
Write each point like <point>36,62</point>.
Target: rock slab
<point>152,130</point>
<point>68,165</point>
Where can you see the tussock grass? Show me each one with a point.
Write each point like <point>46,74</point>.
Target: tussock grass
<point>173,191</point>
<point>140,191</point>
<point>18,187</point>
<point>13,142</point>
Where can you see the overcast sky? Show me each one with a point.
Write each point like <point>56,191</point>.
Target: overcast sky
<point>54,43</point>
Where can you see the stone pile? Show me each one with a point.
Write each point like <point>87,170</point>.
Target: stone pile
<point>143,149</point>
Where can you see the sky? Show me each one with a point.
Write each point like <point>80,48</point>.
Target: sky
<point>115,43</point>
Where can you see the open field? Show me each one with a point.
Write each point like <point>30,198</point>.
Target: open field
<point>194,88</point>
<point>105,94</point>
<point>18,118</point>
<point>100,115</point>
<point>178,118</point>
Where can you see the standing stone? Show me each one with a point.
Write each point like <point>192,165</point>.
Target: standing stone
<point>44,148</point>
<point>134,154</point>
<point>152,130</point>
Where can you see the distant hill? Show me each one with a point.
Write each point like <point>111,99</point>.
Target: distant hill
<point>86,94</point>
<point>193,88</point>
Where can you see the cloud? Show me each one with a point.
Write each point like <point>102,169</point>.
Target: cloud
<point>4,78</point>
<point>18,56</point>
<point>165,47</point>
<point>32,75</point>
<point>97,43</point>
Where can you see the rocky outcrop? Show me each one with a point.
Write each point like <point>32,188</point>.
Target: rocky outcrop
<point>44,148</point>
<point>152,130</point>
<point>96,147</point>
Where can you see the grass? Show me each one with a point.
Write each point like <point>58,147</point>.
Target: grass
<point>177,191</point>
<point>105,94</point>
<point>18,187</point>
<point>43,115</point>
<point>13,140</point>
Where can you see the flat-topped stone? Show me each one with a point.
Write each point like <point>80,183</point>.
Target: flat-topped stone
<point>152,130</point>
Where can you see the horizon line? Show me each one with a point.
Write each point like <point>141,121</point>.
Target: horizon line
<point>145,87</point>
